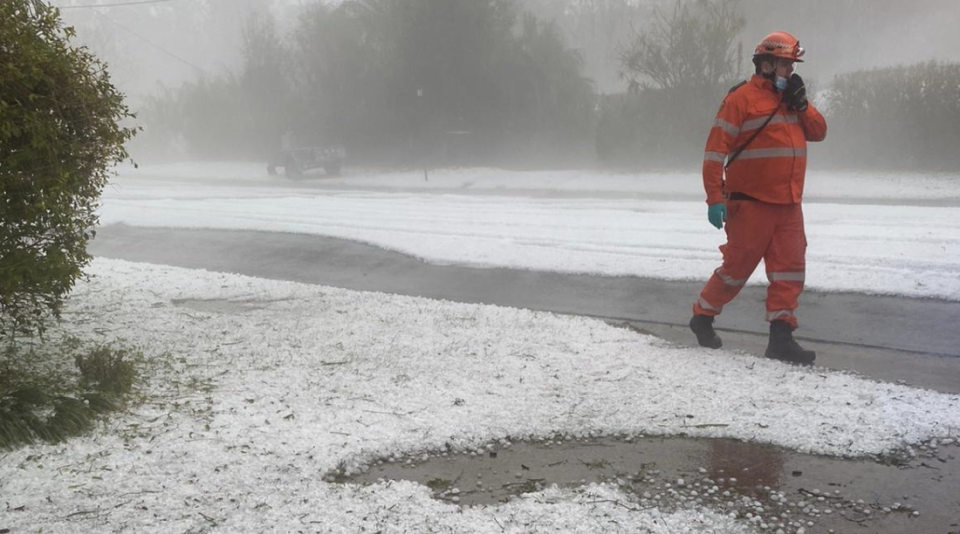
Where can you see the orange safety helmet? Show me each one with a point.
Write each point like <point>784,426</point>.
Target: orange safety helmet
<point>780,44</point>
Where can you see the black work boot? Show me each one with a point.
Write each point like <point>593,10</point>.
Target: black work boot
<point>702,326</point>
<point>783,347</point>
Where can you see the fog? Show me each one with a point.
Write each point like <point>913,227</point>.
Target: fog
<point>172,41</point>
<point>163,44</point>
<point>155,46</point>
<point>852,35</point>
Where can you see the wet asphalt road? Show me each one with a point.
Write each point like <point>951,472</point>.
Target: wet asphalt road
<point>910,341</point>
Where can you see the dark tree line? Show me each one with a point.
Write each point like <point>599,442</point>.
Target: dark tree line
<point>684,60</point>
<point>395,81</point>
<point>485,82</point>
<point>898,118</point>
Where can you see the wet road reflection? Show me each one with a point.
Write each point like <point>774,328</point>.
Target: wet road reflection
<point>748,467</point>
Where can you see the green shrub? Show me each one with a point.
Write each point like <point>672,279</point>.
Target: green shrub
<point>59,133</point>
<point>105,370</point>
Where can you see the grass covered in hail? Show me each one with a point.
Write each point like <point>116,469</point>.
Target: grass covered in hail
<point>52,390</point>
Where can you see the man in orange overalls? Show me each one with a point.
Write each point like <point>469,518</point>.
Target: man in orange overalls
<point>760,139</point>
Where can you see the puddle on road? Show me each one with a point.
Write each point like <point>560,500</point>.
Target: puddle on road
<point>765,485</point>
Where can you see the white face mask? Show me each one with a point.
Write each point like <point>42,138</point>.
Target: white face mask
<point>781,83</point>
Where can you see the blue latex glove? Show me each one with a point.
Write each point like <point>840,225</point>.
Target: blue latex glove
<point>717,214</point>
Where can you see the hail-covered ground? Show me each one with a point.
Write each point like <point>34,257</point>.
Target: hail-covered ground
<point>255,391</point>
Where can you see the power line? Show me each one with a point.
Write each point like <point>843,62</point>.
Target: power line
<point>118,4</point>
<point>153,44</point>
<point>135,34</point>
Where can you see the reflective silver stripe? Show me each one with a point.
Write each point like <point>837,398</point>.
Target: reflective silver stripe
<point>774,315</point>
<point>760,153</point>
<point>714,156</point>
<point>729,280</point>
<point>707,306</point>
<point>727,127</point>
<point>777,119</point>
<point>786,277</point>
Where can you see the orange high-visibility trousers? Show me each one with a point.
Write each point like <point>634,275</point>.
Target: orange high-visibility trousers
<point>760,230</point>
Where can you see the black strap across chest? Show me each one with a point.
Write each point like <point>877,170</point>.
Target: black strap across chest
<point>752,137</point>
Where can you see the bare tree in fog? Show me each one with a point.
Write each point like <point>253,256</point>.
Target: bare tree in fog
<point>676,67</point>
<point>595,28</point>
<point>692,47</point>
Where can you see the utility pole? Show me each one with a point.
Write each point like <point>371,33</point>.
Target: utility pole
<point>422,133</point>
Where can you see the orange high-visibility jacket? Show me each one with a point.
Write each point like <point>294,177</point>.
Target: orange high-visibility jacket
<point>772,167</point>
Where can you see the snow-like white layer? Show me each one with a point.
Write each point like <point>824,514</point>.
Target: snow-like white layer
<point>854,185</point>
<point>567,221</point>
<point>255,388</point>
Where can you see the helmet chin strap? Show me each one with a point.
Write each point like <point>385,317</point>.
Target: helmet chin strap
<point>772,75</point>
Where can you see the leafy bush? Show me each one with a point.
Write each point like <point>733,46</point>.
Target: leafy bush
<point>105,370</point>
<point>59,131</point>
